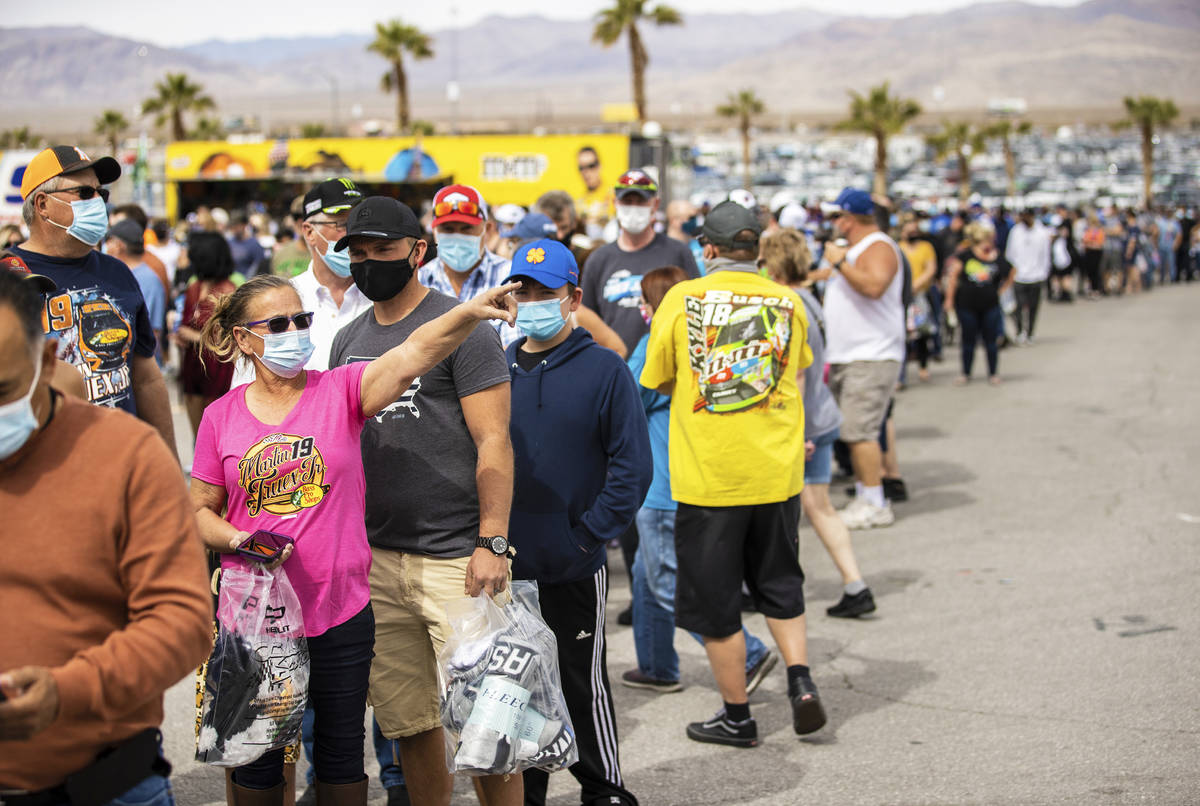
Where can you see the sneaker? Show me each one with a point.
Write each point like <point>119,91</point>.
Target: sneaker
<point>634,678</point>
<point>807,714</point>
<point>720,730</point>
<point>894,490</point>
<point>759,671</point>
<point>625,617</point>
<point>859,514</point>
<point>309,798</point>
<point>854,606</point>
<point>398,796</point>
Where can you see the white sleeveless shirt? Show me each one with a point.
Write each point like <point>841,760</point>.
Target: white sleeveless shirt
<point>858,328</point>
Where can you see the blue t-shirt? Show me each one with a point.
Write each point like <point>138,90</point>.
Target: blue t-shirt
<point>247,255</point>
<point>100,319</point>
<point>658,419</point>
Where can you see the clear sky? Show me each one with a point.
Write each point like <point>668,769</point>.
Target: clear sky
<point>181,22</point>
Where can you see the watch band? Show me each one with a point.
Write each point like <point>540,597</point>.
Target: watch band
<point>494,542</point>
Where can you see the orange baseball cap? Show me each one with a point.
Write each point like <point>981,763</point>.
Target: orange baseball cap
<point>58,160</point>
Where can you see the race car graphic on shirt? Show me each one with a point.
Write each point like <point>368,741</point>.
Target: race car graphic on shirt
<point>624,288</point>
<point>737,348</point>
<point>96,336</point>
<point>282,474</point>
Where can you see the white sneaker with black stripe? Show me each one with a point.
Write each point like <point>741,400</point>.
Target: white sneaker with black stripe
<point>721,730</point>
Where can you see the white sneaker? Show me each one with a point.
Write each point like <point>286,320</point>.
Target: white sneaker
<point>860,514</point>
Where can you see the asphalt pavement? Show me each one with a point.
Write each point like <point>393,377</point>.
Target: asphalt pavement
<point>1037,634</point>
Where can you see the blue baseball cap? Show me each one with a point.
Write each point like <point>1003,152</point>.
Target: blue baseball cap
<point>853,201</point>
<point>531,227</point>
<point>547,261</point>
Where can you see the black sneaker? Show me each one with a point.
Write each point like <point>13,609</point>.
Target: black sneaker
<point>894,490</point>
<point>625,617</point>
<point>720,730</point>
<point>634,678</point>
<point>759,671</point>
<point>807,714</point>
<point>398,796</point>
<point>854,606</point>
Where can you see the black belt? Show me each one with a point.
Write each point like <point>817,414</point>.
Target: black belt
<point>114,772</point>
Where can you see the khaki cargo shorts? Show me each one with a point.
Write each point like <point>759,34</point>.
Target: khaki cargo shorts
<point>863,390</point>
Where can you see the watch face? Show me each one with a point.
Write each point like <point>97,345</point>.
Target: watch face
<point>499,545</point>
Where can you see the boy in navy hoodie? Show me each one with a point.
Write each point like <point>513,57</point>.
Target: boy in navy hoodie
<point>582,467</point>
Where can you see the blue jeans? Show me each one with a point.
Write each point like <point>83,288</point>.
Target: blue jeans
<point>975,325</point>
<point>654,571</point>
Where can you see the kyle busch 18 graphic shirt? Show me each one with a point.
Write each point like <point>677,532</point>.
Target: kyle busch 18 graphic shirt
<point>100,320</point>
<point>733,342</point>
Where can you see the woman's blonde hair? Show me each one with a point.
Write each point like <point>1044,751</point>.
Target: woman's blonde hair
<point>978,232</point>
<point>230,311</point>
<point>785,256</point>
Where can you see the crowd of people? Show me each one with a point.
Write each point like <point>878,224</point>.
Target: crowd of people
<point>432,403</point>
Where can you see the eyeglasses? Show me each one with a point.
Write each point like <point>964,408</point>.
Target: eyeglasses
<point>279,324</point>
<point>340,226</point>
<point>589,166</point>
<point>447,207</point>
<point>84,192</point>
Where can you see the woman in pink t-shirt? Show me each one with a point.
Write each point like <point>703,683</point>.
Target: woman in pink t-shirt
<point>282,454</point>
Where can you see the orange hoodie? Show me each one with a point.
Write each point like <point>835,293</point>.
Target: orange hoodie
<point>102,579</point>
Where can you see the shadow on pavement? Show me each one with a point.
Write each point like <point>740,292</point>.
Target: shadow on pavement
<point>883,583</point>
<point>865,685</point>
<point>906,432</point>
<point>923,502</point>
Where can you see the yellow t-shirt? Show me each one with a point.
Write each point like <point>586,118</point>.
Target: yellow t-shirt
<point>918,252</point>
<point>733,342</point>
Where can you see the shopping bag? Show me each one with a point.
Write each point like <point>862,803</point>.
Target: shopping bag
<point>257,683</point>
<point>502,705</point>
<point>919,317</point>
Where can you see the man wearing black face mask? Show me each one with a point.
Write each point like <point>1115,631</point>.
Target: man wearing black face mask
<point>448,432</point>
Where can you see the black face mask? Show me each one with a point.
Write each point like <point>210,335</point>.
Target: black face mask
<point>380,280</point>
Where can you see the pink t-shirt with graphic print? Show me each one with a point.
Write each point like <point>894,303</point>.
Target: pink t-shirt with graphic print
<point>302,478</point>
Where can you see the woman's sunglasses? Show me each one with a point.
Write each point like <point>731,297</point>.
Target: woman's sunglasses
<point>279,324</point>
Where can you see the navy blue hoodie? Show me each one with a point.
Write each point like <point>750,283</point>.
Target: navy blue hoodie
<point>581,455</point>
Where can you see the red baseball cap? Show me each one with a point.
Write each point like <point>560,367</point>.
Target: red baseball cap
<point>459,203</point>
<point>14,264</point>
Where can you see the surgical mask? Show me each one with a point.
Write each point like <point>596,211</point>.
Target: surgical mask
<point>691,227</point>
<point>17,420</point>
<point>540,320</point>
<point>90,221</point>
<point>286,353</point>
<point>337,262</point>
<point>459,251</point>
<point>633,218</point>
<point>380,280</point>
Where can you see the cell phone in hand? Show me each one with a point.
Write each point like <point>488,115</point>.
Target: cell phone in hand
<point>264,546</point>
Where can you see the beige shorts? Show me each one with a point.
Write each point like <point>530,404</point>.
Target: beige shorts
<point>409,594</point>
<point>862,390</point>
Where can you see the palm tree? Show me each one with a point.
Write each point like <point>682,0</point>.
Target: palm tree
<point>963,140</point>
<point>622,18</point>
<point>312,130</point>
<point>111,125</point>
<point>176,95</point>
<point>392,40</point>
<point>879,114</point>
<point>743,105</point>
<point>1148,113</point>
<point>20,137</point>
<point>208,129</point>
<point>1005,131</point>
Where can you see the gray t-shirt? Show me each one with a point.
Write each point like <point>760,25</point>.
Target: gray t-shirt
<point>821,412</point>
<point>612,282</point>
<point>418,456</point>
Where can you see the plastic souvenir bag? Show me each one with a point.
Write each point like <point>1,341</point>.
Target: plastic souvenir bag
<point>502,705</point>
<point>257,683</point>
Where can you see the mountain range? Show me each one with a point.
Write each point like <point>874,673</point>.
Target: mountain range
<point>541,71</point>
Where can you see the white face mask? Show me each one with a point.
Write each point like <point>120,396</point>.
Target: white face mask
<point>633,218</point>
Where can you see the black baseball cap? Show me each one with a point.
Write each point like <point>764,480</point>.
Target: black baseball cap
<point>128,231</point>
<point>380,217</point>
<point>725,221</point>
<point>332,196</point>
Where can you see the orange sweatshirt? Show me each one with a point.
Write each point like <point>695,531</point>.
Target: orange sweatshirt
<point>102,579</point>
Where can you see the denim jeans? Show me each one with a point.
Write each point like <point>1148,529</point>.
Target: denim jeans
<point>387,752</point>
<point>987,326</point>
<point>654,571</point>
<point>153,791</point>
<point>339,666</point>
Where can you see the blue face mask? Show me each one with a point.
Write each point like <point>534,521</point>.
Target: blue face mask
<point>458,251</point>
<point>338,262</point>
<point>540,320</point>
<point>17,420</point>
<point>91,220</point>
<point>286,353</point>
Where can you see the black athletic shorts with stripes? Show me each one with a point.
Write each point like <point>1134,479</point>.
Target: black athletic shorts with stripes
<point>717,548</point>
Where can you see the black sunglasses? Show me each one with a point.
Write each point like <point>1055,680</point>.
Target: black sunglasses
<point>84,192</point>
<point>589,166</point>
<point>279,324</point>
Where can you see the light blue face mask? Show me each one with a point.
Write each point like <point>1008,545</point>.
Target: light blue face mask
<point>338,262</point>
<point>540,321</point>
<point>458,251</point>
<point>285,353</point>
<point>17,420</point>
<point>90,222</point>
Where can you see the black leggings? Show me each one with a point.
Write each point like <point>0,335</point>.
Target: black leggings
<point>1091,268</point>
<point>973,324</point>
